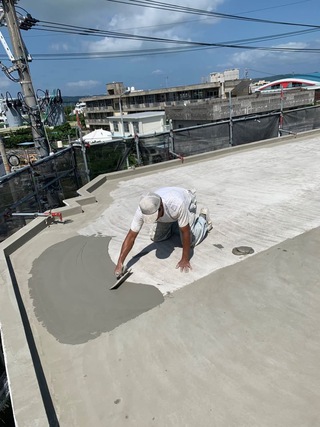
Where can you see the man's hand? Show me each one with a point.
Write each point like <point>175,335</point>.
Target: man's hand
<point>118,270</point>
<point>125,249</point>
<point>184,263</point>
<point>184,266</point>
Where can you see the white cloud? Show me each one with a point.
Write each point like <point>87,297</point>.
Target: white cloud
<point>100,13</point>
<point>60,47</point>
<point>83,84</point>
<point>112,45</point>
<point>250,58</point>
<point>157,23</point>
<point>145,18</point>
<point>118,17</point>
<point>157,72</point>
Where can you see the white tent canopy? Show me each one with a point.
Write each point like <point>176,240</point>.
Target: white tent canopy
<point>98,135</point>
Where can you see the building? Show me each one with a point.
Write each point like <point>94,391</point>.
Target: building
<point>146,123</point>
<point>306,82</point>
<point>122,100</point>
<point>196,104</point>
<point>286,82</point>
<point>222,78</point>
<point>222,109</point>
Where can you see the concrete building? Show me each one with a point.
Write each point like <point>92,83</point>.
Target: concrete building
<point>225,76</point>
<point>147,123</point>
<point>218,109</point>
<point>223,96</point>
<point>222,78</point>
<point>99,108</point>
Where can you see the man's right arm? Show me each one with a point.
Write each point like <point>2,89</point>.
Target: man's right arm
<point>125,249</point>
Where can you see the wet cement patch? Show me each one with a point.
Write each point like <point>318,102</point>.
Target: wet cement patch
<point>70,291</point>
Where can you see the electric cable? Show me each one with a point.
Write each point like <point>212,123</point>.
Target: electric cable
<point>71,29</point>
<point>148,52</point>
<point>184,9</point>
<point>236,44</point>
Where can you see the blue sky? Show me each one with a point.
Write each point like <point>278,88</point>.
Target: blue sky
<point>89,76</point>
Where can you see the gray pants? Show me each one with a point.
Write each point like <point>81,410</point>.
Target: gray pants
<point>198,225</point>
<point>164,230</point>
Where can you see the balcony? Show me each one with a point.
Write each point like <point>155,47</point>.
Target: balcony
<point>99,109</point>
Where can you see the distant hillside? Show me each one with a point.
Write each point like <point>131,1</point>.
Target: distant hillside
<point>71,100</point>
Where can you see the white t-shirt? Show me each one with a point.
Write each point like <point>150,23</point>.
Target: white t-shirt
<point>176,203</point>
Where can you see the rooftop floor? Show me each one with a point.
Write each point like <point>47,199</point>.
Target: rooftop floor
<point>234,342</point>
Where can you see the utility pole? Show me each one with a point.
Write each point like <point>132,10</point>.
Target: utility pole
<point>4,157</point>
<point>20,64</point>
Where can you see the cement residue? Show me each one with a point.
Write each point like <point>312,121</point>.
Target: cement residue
<point>70,291</point>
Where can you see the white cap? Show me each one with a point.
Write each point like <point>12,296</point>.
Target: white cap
<point>149,206</point>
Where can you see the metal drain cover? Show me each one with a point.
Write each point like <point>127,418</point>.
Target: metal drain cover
<point>242,250</point>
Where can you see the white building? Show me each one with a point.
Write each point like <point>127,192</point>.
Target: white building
<point>224,77</point>
<point>146,123</point>
<point>79,108</point>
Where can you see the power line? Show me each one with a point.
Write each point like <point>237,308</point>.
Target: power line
<point>71,29</point>
<point>277,7</point>
<point>185,46</point>
<point>160,51</point>
<point>83,31</point>
<point>205,18</point>
<point>189,10</point>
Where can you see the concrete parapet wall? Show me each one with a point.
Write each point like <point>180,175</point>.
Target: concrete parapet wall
<point>241,106</point>
<point>19,354</point>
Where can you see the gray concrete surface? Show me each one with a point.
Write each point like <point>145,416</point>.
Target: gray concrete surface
<point>238,346</point>
<point>74,302</point>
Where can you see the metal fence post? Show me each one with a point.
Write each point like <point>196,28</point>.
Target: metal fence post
<point>83,149</point>
<point>231,122</point>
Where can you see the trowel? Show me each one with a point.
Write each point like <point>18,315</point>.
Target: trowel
<point>123,276</point>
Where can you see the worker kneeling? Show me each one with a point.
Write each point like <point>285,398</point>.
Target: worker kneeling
<point>168,209</point>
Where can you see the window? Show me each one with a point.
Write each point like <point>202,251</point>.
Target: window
<point>126,126</point>
<point>116,126</point>
<point>135,127</point>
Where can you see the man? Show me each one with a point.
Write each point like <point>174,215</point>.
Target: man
<point>165,208</point>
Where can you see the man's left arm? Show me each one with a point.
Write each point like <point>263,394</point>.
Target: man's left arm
<point>184,263</point>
